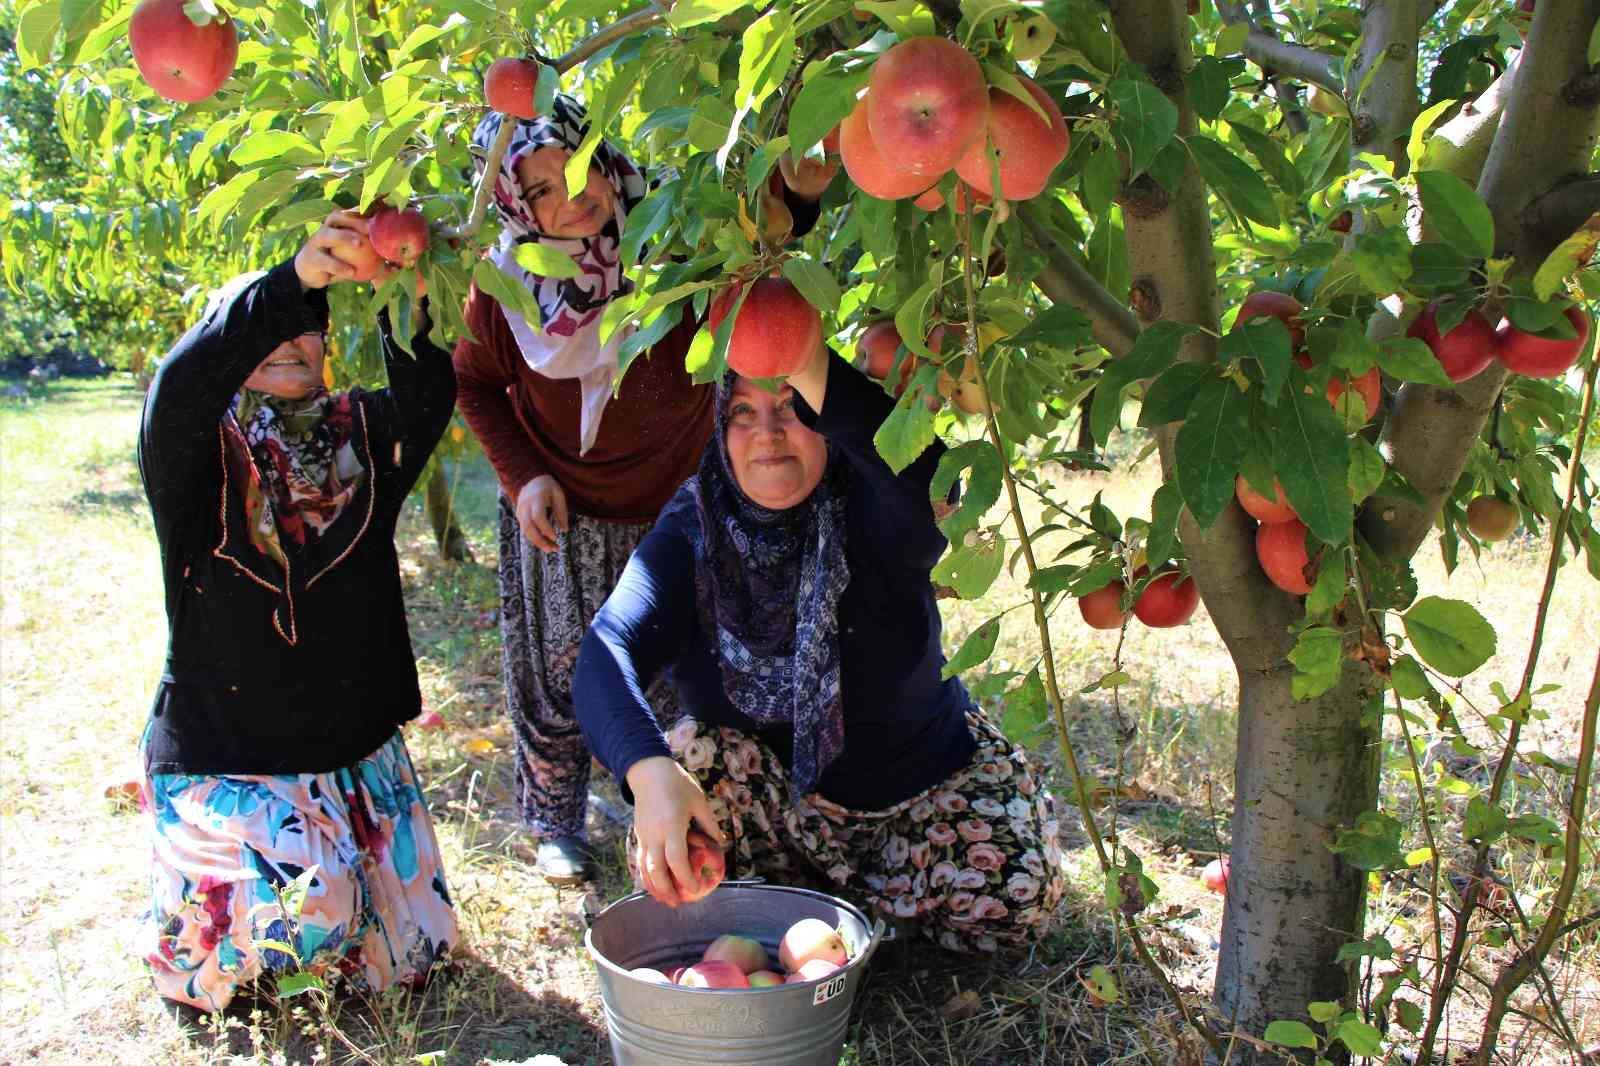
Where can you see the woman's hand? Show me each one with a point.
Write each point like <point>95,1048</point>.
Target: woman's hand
<point>542,512</point>
<point>667,801</point>
<point>807,178</point>
<point>328,254</point>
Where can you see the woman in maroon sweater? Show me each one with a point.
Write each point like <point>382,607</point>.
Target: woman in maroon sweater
<point>584,464</point>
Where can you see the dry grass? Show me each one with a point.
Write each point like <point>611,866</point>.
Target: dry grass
<point>81,644</point>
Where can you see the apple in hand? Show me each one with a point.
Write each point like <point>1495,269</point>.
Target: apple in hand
<point>708,864</point>
<point>177,58</point>
<point>400,236</point>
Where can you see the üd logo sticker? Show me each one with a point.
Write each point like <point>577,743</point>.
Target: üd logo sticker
<point>828,989</point>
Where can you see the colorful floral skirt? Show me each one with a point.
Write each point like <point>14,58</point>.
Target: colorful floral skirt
<point>974,861</point>
<point>336,874</point>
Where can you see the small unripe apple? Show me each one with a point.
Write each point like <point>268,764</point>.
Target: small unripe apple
<point>1491,518</point>
<point>1215,875</point>
<point>1031,38</point>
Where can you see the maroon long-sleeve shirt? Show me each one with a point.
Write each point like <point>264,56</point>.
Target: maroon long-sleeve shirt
<point>651,434</point>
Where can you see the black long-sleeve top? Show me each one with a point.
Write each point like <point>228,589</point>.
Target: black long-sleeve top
<point>905,728</point>
<point>269,671</point>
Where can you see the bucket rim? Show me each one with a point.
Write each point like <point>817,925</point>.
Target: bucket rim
<point>875,928</point>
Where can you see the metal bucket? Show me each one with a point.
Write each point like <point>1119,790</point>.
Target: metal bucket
<point>668,1025</point>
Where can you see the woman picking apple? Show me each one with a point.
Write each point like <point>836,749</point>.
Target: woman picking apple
<point>273,752</point>
<point>584,464</point>
<point>785,590</point>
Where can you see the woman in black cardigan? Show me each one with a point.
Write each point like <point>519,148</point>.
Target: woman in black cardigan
<point>285,809</point>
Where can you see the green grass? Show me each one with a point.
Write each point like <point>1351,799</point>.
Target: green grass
<point>82,639</point>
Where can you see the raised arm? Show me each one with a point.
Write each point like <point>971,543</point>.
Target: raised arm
<point>420,397</point>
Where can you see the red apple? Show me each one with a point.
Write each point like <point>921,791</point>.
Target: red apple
<point>363,259</point>
<point>1491,518</point>
<point>811,970</point>
<point>1534,356</point>
<point>400,236</point>
<point>1465,350</point>
<point>811,938</point>
<point>776,333</point>
<point>1285,308</point>
<point>430,719</point>
<point>931,200</point>
<point>176,58</point>
<point>1258,506</point>
<point>1368,386</point>
<point>830,143</point>
<point>708,864</point>
<point>926,103</point>
<point>765,979</point>
<point>872,172</point>
<point>508,86</point>
<point>744,952</point>
<point>1167,601</point>
<point>1281,550</point>
<point>1028,146</point>
<point>875,352</point>
<point>1102,608</point>
<point>714,975</point>
<point>1215,875</point>
<point>655,977</point>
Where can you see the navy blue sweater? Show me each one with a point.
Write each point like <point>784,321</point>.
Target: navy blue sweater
<point>905,729</point>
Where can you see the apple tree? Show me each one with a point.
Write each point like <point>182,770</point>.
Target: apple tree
<point>1333,258</point>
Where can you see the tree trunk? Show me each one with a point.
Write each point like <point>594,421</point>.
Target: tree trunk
<point>447,533</point>
<point>1305,770</point>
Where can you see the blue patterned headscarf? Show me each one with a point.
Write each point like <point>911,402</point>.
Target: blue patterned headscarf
<point>767,586</point>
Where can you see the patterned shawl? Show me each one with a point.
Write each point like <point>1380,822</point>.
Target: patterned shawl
<point>767,584</point>
<point>302,461</point>
<point>566,341</point>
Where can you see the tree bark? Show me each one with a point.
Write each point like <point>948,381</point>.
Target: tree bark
<point>1385,74</point>
<point>440,501</point>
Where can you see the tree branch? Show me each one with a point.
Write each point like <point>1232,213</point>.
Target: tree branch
<point>1277,56</point>
<point>1546,134</point>
<point>1066,280</point>
<point>1382,114</point>
<point>1559,213</point>
<point>1462,144</point>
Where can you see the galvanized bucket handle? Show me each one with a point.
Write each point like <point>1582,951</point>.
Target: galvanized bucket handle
<point>591,906</point>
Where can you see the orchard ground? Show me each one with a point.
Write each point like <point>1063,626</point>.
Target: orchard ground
<point>82,640</point>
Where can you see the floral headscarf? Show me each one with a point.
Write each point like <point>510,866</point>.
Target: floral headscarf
<point>566,341</point>
<point>767,585</point>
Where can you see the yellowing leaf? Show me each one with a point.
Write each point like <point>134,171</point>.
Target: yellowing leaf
<point>479,746</point>
<point>458,434</point>
<point>327,373</point>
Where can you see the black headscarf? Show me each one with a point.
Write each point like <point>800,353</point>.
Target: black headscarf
<point>767,588</point>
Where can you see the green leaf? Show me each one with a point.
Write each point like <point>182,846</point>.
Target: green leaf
<point>1382,259</point>
<point>1155,349</point>
<point>648,217</point>
<point>911,319</point>
<point>976,649</point>
<point>1270,155</point>
<point>1145,121</point>
<point>1456,213</point>
<point>1482,821</point>
<point>1291,1034</point>
<point>695,12</point>
<point>1234,180</point>
<point>1374,843</point>
<point>646,337</point>
<point>1366,470</point>
<point>1169,395</point>
<point>37,27</point>
<point>274,144</point>
<point>1311,460</point>
<point>1318,658</point>
<point>1408,1014</point>
<point>1437,267</point>
<point>981,491</point>
<point>906,433</point>
<point>1208,86</point>
<point>545,89</point>
<point>603,108</point>
<point>1323,1012</point>
<point>765,58</point>
<point>1450,635</point>
<point>507,290</point>
<point>1410,359</point>
<point>1331,587</point>
<point>1161,543</point>
<point>708,129</point>
<point>1410,683</point>
<point>1101,177</point>
<point>821,104</point>
<point>1359,1037</point>
<point>815,283</point>
<point>1059,326</point>
<point>1266,341</point>
<point>294,984</point>
<point>547,262</point>
<point>1026,709</point>
<point>1419,132</point>
<point>1210,446</point>
<point>1231,38</point>
<point>970,571</point>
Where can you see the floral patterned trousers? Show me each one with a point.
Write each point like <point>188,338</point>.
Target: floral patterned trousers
<point>974,861</point>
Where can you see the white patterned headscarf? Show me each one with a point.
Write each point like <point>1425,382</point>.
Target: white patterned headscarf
<point>566,341</point>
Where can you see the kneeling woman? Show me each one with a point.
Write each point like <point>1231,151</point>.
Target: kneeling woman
<point>786,589</point>
<point>273,749</point>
